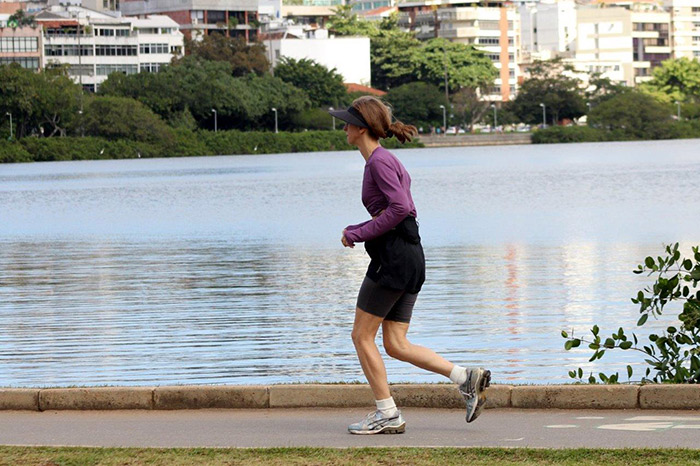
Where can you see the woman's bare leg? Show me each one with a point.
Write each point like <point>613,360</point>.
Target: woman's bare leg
<point>364,332</point>
<point>397,346</point>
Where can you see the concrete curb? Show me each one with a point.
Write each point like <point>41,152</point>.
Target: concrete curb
<point>348,396</point>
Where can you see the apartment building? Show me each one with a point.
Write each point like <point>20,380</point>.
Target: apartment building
<point>95,44</point>
<point>548,29</point>
<point>21,45</point>
<point>624,43</point>
<point>232,18</point>
<point>685,28</point>
<point>493,29</point>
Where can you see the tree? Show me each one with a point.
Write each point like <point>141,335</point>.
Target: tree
<point>58,102</point>
<point>198,86</point>
<point>20,18</point>
<point>675,80</point>
<point>418,104</point>
<point>123,118</point>
<point>632,114</point>
<point>469,108</point>
<point>48,98</point>
<point>243,57</point>
<point>550,85</point>
<point>601,88</point>
<point>393,55</point>
<point>345,22</point>
<point>323,86</point>
<point>465,65</point>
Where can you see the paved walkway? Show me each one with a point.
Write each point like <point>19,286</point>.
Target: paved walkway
<point>327,428</point>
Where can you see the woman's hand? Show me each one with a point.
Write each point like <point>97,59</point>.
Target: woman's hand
<point>345,242</point>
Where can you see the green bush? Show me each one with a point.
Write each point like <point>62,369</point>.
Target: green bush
<point>13,152</point>
<point>559,134</point>
<point>182,143</point>
<point>662,130</point>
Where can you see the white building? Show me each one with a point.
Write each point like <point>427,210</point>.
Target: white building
<point>95,44</point>
<point>623,43</point>
<point>348,55</point>
<point>548,29</point>
<point>685,24</point>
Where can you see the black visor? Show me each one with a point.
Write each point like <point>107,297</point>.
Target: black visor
<point>351,115</point>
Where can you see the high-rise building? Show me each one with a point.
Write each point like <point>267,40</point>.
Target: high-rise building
<point>625,42</point>
<point>494,29</point>
<point>548,29</point>
<point>685,28</point>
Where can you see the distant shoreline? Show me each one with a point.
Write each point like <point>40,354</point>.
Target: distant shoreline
<point>496,139</point>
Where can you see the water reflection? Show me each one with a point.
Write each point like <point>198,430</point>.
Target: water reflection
<point>229,269</point>
<point>219,312</point>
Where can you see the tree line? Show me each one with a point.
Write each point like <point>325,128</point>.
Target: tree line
<point>228,83</point>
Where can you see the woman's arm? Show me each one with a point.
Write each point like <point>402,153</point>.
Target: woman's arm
<point>387,180</point>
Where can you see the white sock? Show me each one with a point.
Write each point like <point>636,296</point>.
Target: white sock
<point>458,374</point>
<point>387,407</point>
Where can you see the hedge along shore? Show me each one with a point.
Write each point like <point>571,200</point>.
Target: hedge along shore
<point>347,396</point>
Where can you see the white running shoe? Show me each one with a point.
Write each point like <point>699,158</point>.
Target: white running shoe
<point>473,391</point>
<point>375,423</point>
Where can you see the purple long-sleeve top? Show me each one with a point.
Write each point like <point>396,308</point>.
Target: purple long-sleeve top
<point>386,193</point>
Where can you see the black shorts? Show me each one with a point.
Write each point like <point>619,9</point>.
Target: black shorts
<point>387,303</point>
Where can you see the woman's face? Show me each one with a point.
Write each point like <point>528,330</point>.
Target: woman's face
<point>352,133</point>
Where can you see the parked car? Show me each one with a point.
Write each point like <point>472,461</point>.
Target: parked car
<point>454,130</point>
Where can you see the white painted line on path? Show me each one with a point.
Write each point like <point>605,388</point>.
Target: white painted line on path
<point>687,426</point>
<point>562,426</point>
<point>664,418</point>
<point>590,417</point>
<point>640,427</point>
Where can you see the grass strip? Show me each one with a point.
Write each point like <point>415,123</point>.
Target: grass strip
<point>60,456</point>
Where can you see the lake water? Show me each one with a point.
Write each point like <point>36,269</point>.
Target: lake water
<point>229,270</point>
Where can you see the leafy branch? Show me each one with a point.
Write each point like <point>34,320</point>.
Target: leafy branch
<point>675,355</point>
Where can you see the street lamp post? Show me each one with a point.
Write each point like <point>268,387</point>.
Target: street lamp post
<point>216,120</point>
<point>544,116</point>
<point>275,110</point>
<point>678,105</point>
<point>444,119</point>
<point>495,117</point>
<point>10,115</point>
<point>331,109</point>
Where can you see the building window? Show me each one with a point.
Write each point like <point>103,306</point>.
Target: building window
<point>488,41</point>
<point>78,70</point>
<point>493,56</point>
<point>19,44</point>
<point>153,48</point>
<point>105,32</point>
<point>106,70</point>
<point>123,33</point>
<point>67,50</point>
<point>150,67</point>
<point>176,49</point>
<point>148,30</point>
<point>30,63</point>
<point>115,50</point>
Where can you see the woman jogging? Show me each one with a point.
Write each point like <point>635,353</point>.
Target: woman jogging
<point>396,271</point>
